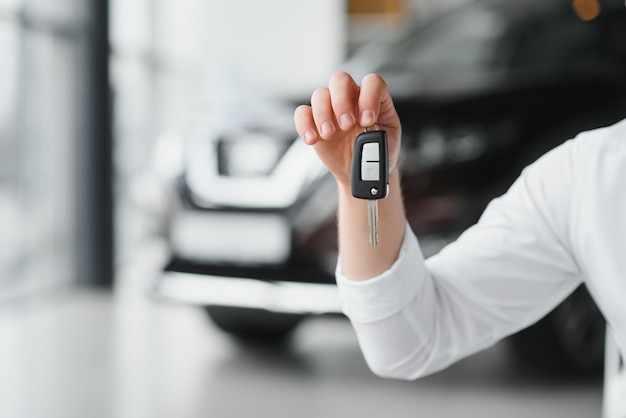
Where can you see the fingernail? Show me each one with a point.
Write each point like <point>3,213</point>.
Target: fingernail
<point>327,128</point>
<point>367,118</point>
<point>346,120</point>
<point>309,136</point>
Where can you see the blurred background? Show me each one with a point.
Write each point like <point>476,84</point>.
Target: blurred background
<point>108,202</point>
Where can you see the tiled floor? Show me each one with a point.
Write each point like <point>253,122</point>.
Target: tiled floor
<point>97,354</point>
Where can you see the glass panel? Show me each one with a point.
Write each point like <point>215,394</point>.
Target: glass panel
<point>39,85</point>
<point>10,238</point>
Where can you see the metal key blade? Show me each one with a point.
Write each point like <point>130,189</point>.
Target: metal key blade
<point>372,220</point>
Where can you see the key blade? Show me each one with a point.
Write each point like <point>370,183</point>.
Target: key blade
<point>372,220</point>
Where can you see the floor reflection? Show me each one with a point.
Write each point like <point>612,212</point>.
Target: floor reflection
<point>123,355</point>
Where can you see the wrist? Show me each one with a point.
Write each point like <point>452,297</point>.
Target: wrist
<point>361,261</point>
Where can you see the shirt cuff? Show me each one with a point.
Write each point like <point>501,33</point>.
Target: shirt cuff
<point>380,297</point>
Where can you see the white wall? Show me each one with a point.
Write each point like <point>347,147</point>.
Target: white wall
<point>290,46</point>
<point>284,46</point>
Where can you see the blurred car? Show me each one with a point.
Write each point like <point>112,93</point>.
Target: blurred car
<point>482,91</point>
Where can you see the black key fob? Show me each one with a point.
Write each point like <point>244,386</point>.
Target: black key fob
<point>369,175</point>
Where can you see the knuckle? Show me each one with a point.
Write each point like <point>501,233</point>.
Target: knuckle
<point>374,79</point>
<point>339,76</point>
<point>301,109</point>
<point>299,115</point>
<point>319,93</point>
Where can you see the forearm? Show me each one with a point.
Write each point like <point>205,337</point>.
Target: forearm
<point>503,274</point>
<point>359,260</point>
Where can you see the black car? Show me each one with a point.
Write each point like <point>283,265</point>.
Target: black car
<point>481,91</point>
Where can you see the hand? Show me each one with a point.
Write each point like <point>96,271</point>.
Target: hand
<point>339,113</point>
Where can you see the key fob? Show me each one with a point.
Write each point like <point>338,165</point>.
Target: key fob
<point>369,175</point>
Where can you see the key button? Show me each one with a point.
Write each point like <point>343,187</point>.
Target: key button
<point>370,171</point>
<point>370,152</point>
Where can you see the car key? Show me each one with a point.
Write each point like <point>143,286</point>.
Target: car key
<point>369,177</point>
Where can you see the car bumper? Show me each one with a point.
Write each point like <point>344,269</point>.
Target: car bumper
<point>277,296</point>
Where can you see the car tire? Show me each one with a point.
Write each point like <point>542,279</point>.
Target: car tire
<point>253,324</point>
<point>569,340</point>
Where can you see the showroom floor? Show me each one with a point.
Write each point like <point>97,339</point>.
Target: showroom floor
<point>96,354</point>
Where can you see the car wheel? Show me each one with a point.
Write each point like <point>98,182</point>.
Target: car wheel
<point>253,324</point>
<point>569,340</point>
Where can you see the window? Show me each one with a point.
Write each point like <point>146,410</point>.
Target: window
<point>44,131</point>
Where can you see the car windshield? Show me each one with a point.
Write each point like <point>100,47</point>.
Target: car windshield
<point>461,41</point>
<point>494,35</point>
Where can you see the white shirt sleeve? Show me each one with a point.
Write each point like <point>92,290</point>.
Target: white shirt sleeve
<point>501,275</point>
